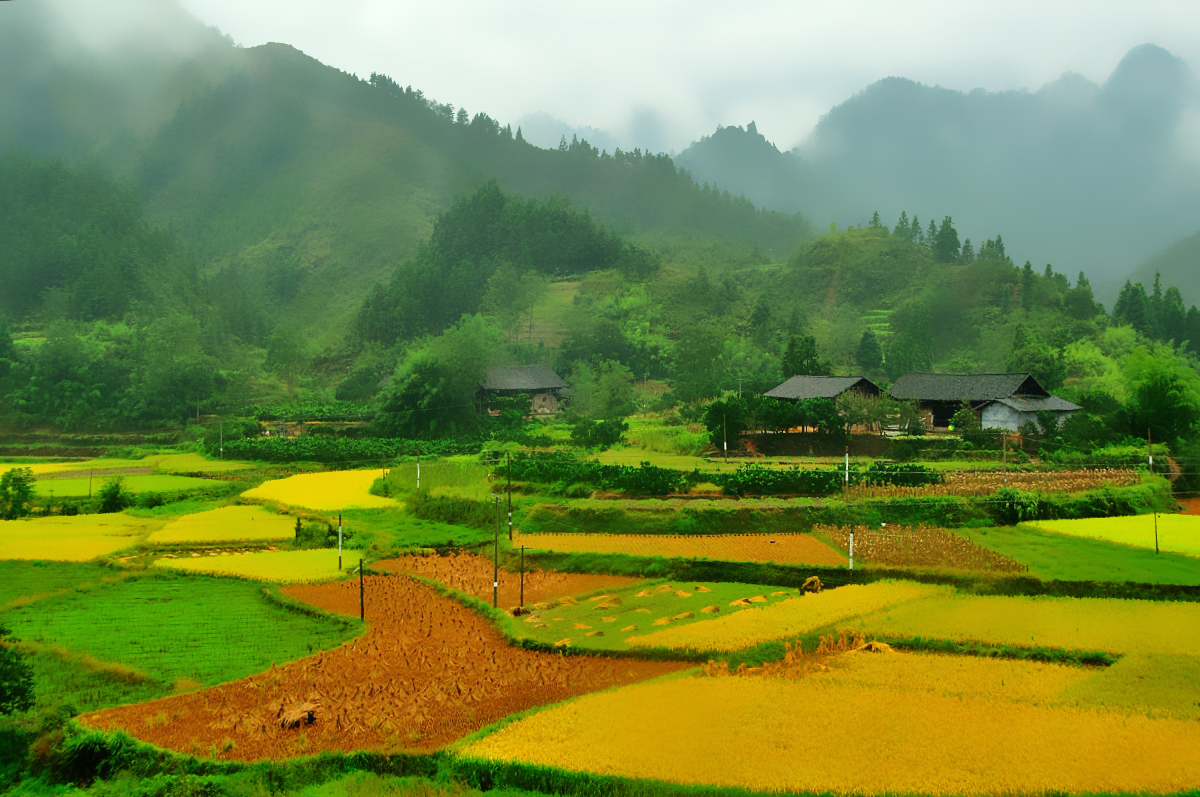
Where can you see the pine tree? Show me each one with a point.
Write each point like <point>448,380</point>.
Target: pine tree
<point>945,241</point>
<point>875,223</point>
<point>931,236</point>
<point>968,252</point>
<point>901,229</point>
<point>1027,286</point>
<point>869,355</point>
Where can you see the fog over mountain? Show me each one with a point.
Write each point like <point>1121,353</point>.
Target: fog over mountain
<point>1084,176</point>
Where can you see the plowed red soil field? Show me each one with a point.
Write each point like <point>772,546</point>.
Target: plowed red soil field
<point>472,575</point>
<point>428,672</point>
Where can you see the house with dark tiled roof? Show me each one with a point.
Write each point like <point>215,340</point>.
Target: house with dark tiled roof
<point>546,390</point>
<point>1001,401</point>
<point>826,387</point>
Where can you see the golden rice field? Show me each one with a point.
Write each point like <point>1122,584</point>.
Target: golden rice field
<point>290,567</point>
<point>1176,533</point>
<point>1112,625</point>
<point>162,463</point>
<point>72,539</point>
<point>792,549</point>
<point>787,618</point>
<point>226,524</point>
<point>884,724</point>
<point>342,489</point>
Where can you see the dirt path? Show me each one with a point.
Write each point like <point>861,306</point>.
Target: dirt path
<point>427,673</point>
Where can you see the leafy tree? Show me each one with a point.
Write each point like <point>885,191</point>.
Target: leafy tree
<point>726,420</point>
<point>16,676</point>
<point>113,497</point>
<point>1031,355</point>
<point>288,355</point>
<point>1080,302</point>
<point>604,391</point>
<point>1166,405</point>
<point>695,364</point>
<point>512,296</point>
<point>869,355</point>
<point>592,434</point>
<point>16,493</point>
<point>433,393</point>
<point>802,357</point>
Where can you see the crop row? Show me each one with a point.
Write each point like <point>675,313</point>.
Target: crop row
<point>990,482</point>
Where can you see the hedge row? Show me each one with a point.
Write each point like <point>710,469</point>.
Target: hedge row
<point>341,450</point>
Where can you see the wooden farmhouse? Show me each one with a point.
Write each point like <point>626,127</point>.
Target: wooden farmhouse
<point>546,390</point>
<point>825,387</point>
<point>1000,401</point>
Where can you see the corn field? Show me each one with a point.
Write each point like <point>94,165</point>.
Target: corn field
<point>977,483</point>
<point>922,546</point>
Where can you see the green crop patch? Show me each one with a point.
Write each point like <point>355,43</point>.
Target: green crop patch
<point>607,621</point>
<point>1062,557</point>
<point>173,628</point>
<point>22,582</point>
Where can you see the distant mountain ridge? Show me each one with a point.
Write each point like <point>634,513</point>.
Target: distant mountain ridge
<point>1086,177</point>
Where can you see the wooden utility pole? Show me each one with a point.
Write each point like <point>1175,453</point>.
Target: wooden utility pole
<point>1004,456</point>
<point>362,593</point>
<point>724,439</point>
<point>339,542</point>
<point>418,467</point>
<point>1150,460</point>
<point>522,604</point>
<point>508,457</point>
<point>496,556</point>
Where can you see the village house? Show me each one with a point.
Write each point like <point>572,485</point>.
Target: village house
<point>822,387</point>
<point>1000,401</point>
<point>546,390</point>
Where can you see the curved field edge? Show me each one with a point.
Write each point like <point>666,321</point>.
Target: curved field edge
<point>793,576</point>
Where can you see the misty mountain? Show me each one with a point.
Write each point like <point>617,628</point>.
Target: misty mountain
<point>275,169</point>
<point>543,130</point>
<point>1178,265</point>
<point>1084,176</point>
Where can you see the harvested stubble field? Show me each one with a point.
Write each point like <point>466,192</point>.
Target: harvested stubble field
<point>472,575</point>
<point>1176,533</point>
<point>791,549</point>
<point>226,524</point>
<point>608,621</point>
<point>72,539</point>
<point>329,491</point>
<point>977,483</point>
<point>906,724</point>
<point>428,672</point>
<point>1107,624</point>
<point>920,546</point>
<point>788,618</point>
<point>287,567</point>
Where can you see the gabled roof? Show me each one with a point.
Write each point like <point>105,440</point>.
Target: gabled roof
<point>826,387</point>
<point>972,387</point>
<point>1038,404</point>
<point>522,377</point>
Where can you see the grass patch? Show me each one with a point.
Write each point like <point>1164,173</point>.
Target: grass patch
<point>395,528</point>
<point>1062,557</point>
<point>21,583</point>
<point>1176,533</point>
<point>172,628</point>
<point>1152,684</point>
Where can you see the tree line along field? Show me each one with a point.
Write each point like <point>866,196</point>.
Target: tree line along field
<point>239,671</point>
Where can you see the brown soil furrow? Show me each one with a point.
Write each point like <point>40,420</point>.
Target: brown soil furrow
<point>453,675</point>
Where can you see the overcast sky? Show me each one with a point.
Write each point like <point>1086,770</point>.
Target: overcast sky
<point>661,74</point>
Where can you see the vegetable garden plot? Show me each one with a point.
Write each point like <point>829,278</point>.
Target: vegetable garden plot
<point>988,482</point>
<point>910,727</point>
<point>226,524</point>
<point>200,629</point>
<point>472,575</point>
<point>612,619</point>
<point>1176,533</point>
<point>72,539</point>
<point>429,671</point>
<point>323,491</point>
<point>791,549</point>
